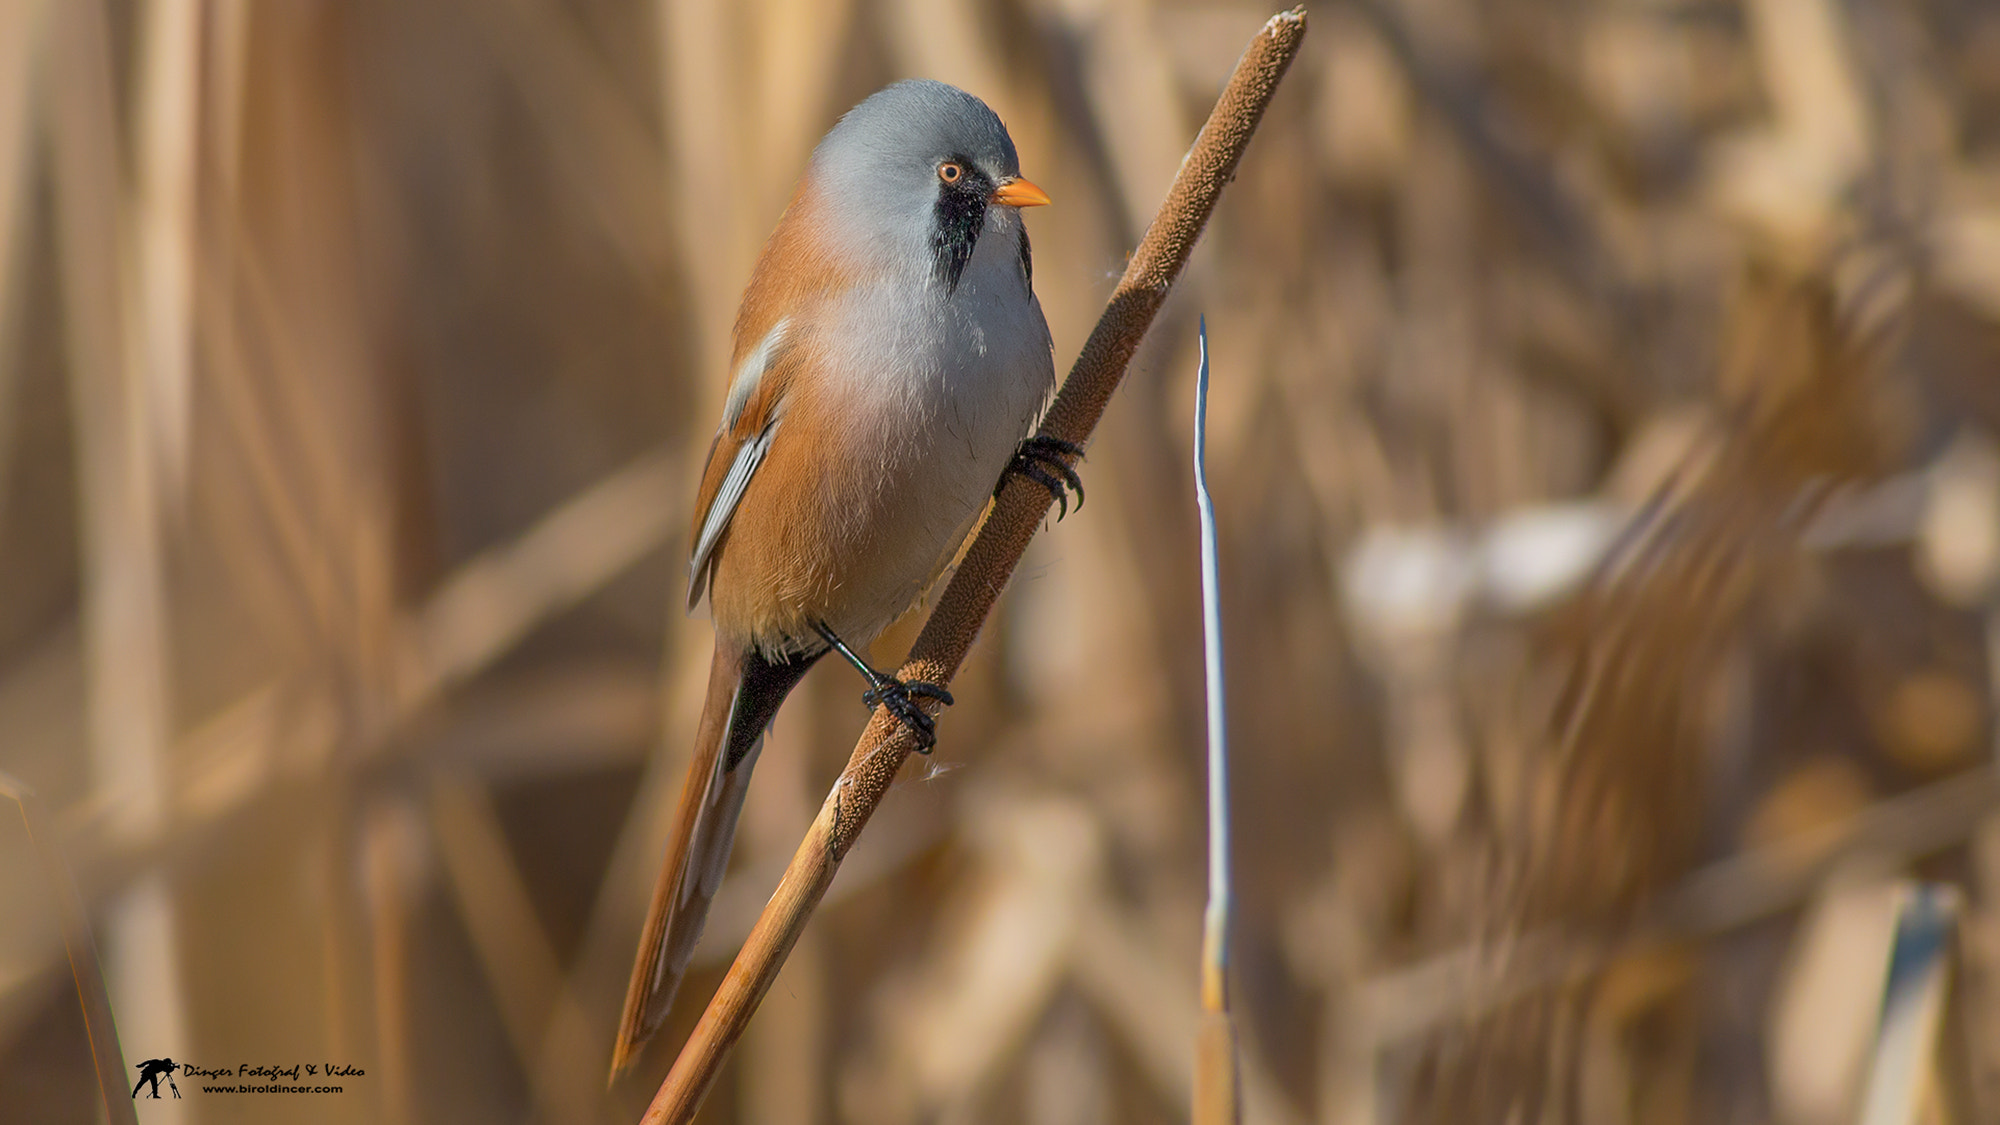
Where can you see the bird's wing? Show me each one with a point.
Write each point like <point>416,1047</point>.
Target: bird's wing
<point>749,421</point>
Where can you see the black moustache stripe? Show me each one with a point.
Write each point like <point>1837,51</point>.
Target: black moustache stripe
<point>959,216</point>
<point>1027,262</point>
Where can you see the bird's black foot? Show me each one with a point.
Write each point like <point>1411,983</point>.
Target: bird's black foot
<point>900,696</point>
<point>1046,461</point>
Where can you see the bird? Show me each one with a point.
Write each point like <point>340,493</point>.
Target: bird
<point>890,363</point>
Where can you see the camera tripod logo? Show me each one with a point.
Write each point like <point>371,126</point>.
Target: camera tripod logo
<point>152,1070</point>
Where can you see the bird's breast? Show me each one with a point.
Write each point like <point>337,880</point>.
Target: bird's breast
<point>922,394</point>
<point>965,361</point>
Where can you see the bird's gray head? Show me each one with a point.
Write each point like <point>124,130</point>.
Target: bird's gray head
<point>913,171</point>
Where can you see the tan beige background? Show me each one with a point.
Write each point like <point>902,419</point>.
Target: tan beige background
<point>1604,438</point>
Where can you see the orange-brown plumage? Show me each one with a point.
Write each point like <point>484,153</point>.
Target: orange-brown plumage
<point>888,357</point>
<point>795,271</point>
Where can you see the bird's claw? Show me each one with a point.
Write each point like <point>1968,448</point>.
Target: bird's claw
<point>1054,453</point>
<point>900,696</point>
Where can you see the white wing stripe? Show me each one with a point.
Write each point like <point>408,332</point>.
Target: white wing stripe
<point>751,373</point>
<point>748,457</point>
<point>748,375</point>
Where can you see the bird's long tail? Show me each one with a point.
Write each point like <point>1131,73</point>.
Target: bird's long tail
<point>744,692</point>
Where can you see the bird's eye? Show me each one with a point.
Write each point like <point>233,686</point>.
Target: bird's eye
<point>951,171</point>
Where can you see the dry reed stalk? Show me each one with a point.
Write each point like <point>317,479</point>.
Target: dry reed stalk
<point>1612,814</point>
<point>164,215</point>
<point>959,1021</point>
<point>1216,1097</point>
<point>1117,966</point>
<point>282,729</point>
<point>1745,889</point>
<point>704,126</point>
<point>791,79</point>
<point>391,850</point>
<point>124,600</point>
<point>1543,202</point>
<point>86,974</point>
<point>520,963</point>
<point>787,1055</point>
<point>20,36</point>
<point>1038,931</point>
<point>224,60</point>
<point>987,564</point>
<point>488,605</point>
<point>602,145</point>
<point>275,736</point>
<point>1911,1076</point>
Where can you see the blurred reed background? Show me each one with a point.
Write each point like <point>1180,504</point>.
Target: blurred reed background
<point>1606,443</point>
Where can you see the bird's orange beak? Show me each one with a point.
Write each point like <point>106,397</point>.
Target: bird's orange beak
<point>1018,192</point>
